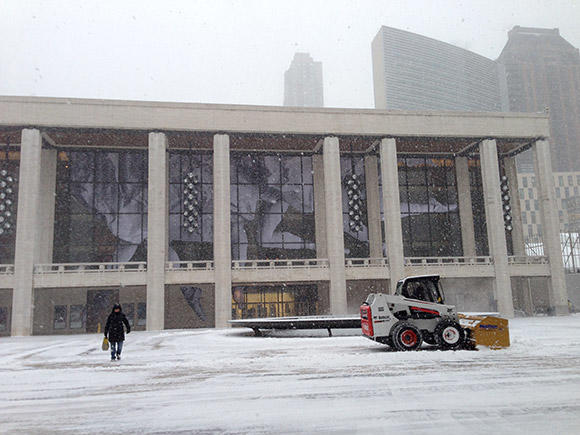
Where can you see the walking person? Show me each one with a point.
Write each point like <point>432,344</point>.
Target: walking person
<point>115,332</point>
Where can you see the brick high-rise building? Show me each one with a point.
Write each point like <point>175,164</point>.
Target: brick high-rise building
<point>303,82</point>
<point>543,74</point>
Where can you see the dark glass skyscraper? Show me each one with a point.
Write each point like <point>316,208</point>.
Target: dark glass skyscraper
<point>543,73</point>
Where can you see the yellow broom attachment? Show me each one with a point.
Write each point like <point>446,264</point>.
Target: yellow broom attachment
<point>489,331</point>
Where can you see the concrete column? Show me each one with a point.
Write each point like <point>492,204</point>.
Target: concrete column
<point>27,231</point>
<point>373,206</point>
<point>222,251</point>
<point>45,235</point>
<point>319,206</point>
<point>465,206</point>
<point>517,233</point>
<point>511,172</point>
<point>392,211</point>
<point>157,230</point>
<point>334,225</point>
<point>495,226</point>
<point>558,293</point>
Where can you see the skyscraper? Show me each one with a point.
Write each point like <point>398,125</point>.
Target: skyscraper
<point>413,72</point>
<point>537,71</point>
<point>303,82</point>
<point>543,73</point>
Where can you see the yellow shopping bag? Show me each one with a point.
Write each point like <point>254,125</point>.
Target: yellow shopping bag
<point>105,345</point>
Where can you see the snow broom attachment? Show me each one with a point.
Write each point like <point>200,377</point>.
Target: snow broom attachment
<point>489,331</point>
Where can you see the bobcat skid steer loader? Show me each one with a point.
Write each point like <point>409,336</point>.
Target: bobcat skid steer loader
<point>417,313</point>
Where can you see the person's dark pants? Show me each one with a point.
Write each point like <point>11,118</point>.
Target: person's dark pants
<point>116,348</point>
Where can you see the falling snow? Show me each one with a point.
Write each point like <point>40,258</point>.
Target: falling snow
<point>229,380</point>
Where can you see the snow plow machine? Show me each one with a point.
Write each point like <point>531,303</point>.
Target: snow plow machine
<point>417,313</point>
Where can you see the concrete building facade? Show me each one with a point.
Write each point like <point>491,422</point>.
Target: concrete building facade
<point>303,84</point>
<point>537,71</point>
<point>193,214</point>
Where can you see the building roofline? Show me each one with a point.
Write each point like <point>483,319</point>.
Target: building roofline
<point>534,30</point>
<point>256,108</point>
<point>85,115</point>
<point>439,42</point>
<point>80,122</point>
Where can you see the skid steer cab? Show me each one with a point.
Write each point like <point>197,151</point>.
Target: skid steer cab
<point>415,313</point>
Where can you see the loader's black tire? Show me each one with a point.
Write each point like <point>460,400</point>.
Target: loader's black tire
<point>449,334</point>
<point>405,336</point>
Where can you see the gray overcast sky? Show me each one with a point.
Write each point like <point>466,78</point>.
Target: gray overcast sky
<point>226,51</point>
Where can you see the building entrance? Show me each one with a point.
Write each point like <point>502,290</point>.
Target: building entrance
<point>274,301</point>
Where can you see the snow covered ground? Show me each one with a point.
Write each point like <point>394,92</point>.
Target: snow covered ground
<point>229,381</point>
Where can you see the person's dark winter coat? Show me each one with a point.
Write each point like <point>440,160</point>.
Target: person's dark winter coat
<point>114,330</point>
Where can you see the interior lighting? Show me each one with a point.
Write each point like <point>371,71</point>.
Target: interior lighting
<point>7,189</point>
<point>353,193</point>
<point>505,198</point>
<point>191,202</point>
